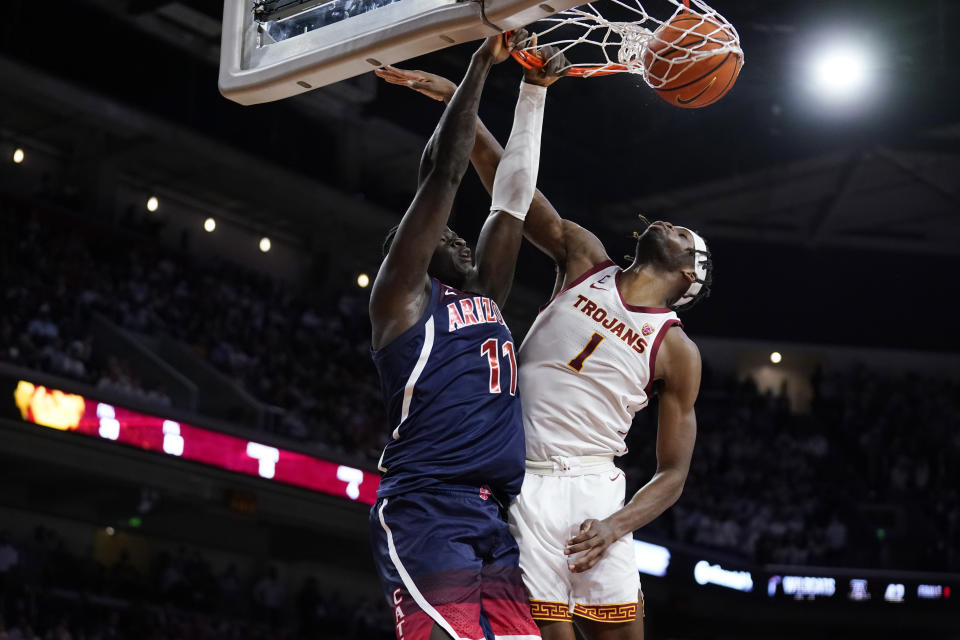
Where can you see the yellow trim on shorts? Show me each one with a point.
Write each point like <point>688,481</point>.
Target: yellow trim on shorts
<point>547,610</point>
<point>623,612</point>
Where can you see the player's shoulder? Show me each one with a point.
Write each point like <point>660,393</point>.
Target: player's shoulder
<point>583,247</point>
<point>678,350</point>
<point>585,254</point>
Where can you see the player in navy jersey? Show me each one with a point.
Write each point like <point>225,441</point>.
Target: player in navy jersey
<point>448,371</point>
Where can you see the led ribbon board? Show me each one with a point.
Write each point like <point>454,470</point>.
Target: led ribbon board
<point>63,411</point>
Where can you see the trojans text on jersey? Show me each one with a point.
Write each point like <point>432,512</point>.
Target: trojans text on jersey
<point>611,323</point>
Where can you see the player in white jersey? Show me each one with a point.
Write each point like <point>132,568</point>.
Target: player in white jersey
<point>606,339</point>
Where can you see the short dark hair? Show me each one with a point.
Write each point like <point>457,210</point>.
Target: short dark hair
<point>388,241</point>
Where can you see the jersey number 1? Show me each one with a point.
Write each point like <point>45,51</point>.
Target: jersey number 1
<point>490,349</point>
<point>577,363</point>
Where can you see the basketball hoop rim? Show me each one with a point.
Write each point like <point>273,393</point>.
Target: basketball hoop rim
<point>531,61</point>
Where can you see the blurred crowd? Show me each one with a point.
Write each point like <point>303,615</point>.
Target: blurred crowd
<point>49,593</point>
<point>869,476</point>
<point>303,353</point>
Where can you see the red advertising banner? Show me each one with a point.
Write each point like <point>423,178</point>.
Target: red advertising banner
<point>70,412</point>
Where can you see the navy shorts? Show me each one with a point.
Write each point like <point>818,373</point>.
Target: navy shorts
<point>445,556</point>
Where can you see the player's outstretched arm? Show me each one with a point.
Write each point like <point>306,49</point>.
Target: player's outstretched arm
<point>401,289</point>
<point>572,247</point>
<point>679,363</point>
<point>514,184</point>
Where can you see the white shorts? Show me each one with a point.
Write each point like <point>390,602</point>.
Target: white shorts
<point>556,497</point>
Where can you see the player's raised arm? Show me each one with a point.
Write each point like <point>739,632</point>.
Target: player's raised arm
<point>401,289</point>
<point>514,185</point>
<point>679,366</point>
<point>572,247</point>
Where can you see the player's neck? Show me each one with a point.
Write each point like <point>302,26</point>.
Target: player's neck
<point>643,285</point>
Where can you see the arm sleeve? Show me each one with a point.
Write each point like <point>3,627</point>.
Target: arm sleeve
<point>516,179</point>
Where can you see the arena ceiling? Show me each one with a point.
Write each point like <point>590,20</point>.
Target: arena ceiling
<point>762,171</point>
<point>761,165</point>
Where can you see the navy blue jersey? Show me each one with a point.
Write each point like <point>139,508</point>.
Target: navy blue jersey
<point>450,383</point>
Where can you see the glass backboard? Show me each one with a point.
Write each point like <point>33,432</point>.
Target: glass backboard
<point>272,49</point>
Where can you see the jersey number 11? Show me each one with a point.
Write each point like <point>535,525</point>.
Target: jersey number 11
<point>491,350</point>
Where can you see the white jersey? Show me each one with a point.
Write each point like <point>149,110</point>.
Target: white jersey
<point>585,368</point>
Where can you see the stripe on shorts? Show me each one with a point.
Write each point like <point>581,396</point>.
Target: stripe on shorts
<point>546,610</point>
<point>625,612</point>
<point>425,606</point>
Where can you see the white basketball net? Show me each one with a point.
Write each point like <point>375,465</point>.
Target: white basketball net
<point>596,45</point>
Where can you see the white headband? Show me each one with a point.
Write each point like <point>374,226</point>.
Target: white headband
<point>700,268</point>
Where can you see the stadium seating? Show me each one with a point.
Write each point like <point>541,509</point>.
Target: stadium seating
<point>840,482</point>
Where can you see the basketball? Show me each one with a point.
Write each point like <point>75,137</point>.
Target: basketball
<point>680,66</point>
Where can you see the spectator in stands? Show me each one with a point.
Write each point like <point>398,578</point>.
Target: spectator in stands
<point>22,630</point>
<point>268,337</point>
<point>230,590</point>
<point>799,505</point>
<point>268,595</point>
<point>101,605</point>
<point>9,557</point>
<point>125,577</point>
<point>309,607</point>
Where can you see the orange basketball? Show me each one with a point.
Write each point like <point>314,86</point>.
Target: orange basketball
<point>681,68</point>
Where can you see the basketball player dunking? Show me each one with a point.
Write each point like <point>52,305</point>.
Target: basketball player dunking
<point>606,339</point>
<point>448,370</point>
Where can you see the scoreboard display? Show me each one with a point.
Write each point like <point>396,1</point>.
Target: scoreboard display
<point>892,587</point>
<point>817,587</point>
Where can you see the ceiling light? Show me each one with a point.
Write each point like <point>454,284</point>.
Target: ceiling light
<point>841,72</point>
